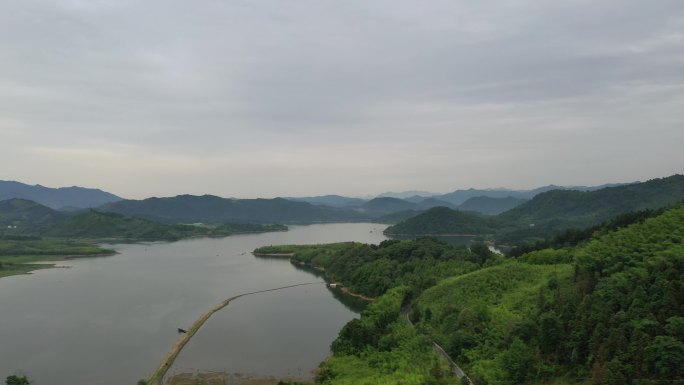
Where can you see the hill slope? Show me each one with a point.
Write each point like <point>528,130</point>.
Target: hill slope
<point>489,205</point>
<point>330,200</point>
<point>613,317</point>
<point>21,216</point>
<point>213,209</point>
<point>552,212</point>
<point>56,198</point>
<point>443,221</point>
<point>562,209</point>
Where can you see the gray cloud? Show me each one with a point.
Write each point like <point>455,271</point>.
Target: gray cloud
<point>265,98</point>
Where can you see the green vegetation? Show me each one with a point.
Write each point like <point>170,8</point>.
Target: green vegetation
<point>490,206</point>
<point>476,317</point>
<point>20,217</point>
<point>371,270</point>
<point>602,307</point>
<point>17,253</point>
<point>382,348</point>
<point>550,213</point>
<point>97,225</point>
<point>444,221</point>
<point>16,380</point>
<point>610,315</point>
<point>23,224</point>
<point>216,210</point>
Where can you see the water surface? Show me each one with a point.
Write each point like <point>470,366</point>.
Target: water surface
<point>110,320</point>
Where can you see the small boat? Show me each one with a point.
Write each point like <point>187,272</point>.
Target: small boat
<point>182,330</point>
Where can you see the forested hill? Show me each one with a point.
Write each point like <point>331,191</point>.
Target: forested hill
<point>56,198</point>
<point>552,212</point>
<point>593,207</point>
<point>491,206</point>
<point>443,221</point>
<point>21,218</point>
<point>92,224</point>
<point>21,215</point>
<point>213,209</point>
<point>609,311</point>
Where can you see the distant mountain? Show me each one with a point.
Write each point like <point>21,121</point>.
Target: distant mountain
<point>213,209</point>
<point>429,203</point>
<point>330,200</point>
<point>406,194</point>
<point>443,221</point>
<point>489,205</point>
<point>562,209</point>
<point>458,197</point>
<point>416,199</point>
<point>56,198</point>
<point>27,218</point>
<point>552,212</point>
<point>92,224</point>
<point>21,216</point>
<point>396,217</point>
<point>387,205</point>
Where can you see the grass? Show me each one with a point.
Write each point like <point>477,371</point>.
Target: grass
<point>18,256</point>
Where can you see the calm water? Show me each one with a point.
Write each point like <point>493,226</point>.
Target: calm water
<point>111,320</point>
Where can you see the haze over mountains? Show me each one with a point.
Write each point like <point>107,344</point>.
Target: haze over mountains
<point>56,198</point>
<point>186,209</point>
<point>550,212</point>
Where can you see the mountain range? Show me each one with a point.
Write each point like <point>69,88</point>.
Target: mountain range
<point>551,212</point>
<point>57,198</point>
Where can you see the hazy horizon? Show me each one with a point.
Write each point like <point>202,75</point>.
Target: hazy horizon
<point>265,98</point>
<point>361,196</point>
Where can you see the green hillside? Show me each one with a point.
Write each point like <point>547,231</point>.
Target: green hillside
<point>489,205</point>
<point>97,225</point>
<point>443,221</point>
<point>21,216</point>
<point>557,210</point>
<point>607,311</point>
<point>612,316</point>
<point>551,213</point>
<point>215,210</point>
<point>17,253</point>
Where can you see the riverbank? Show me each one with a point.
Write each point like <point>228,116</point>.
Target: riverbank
<point>316,269</point>
<point>19,255</point>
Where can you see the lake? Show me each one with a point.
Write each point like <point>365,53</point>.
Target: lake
<point>111,320</point>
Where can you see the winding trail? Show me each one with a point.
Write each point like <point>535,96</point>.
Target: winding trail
<point>158,375</point>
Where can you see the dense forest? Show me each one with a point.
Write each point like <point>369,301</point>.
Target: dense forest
<point>602,309</point>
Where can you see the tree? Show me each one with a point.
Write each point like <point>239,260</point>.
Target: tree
<point>665,356</point>
<point>518,361</point>
<point>16,380</point>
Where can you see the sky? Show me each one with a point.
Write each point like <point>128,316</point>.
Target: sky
<point>266,98</point>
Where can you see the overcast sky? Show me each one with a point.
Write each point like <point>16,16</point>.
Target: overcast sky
<point>306,97</point>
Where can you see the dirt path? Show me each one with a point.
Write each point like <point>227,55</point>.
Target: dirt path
<point>158,375</point>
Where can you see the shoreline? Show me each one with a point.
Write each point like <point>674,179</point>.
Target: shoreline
<point>280,255</point>
<point>434,235</point>
<point>37,262</point>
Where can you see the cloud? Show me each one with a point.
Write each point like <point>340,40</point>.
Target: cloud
<point>362,96</point>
